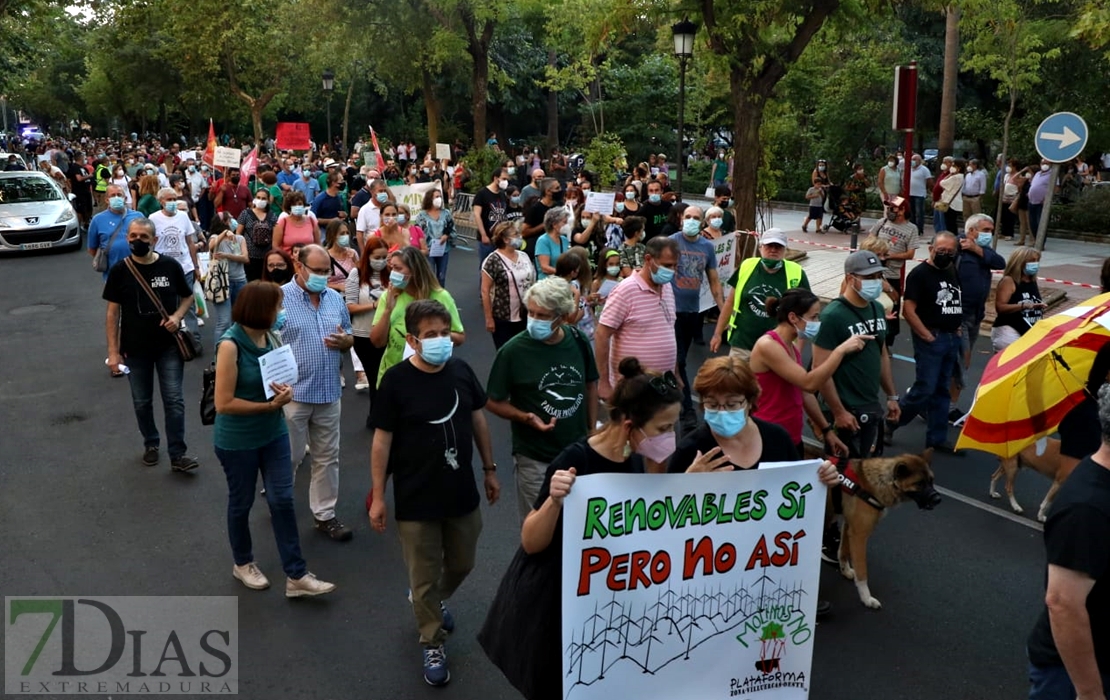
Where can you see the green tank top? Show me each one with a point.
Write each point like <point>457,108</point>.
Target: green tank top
<point>248,432</point>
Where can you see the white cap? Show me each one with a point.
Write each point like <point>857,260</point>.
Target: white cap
<point>773,235</point>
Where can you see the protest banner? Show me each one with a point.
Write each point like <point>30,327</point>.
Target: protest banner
<point>186,156</point>
<point>443,151</point>
<point>725,249</point>
<point>292,136</point>
<point>227,157</point>
<point>413,195</point>
<point>370,158</point>
<point>692,586</point>
<point>600,202</point>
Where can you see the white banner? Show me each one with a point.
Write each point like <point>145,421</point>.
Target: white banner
<point>692,585</point>
<point>187,155</point>
<point>227,157</point>
<point>413,195</point>
<point>725,248</point>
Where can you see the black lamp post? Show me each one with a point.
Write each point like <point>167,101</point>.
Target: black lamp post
<point>684,33</point>
<point>329,84</point>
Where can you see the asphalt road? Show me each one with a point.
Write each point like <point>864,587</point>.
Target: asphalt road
<point>960,586</point>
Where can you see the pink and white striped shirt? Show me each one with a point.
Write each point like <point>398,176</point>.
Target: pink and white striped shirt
<point>642,319</point>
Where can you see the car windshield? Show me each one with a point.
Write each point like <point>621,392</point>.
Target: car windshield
<point>17,190</point>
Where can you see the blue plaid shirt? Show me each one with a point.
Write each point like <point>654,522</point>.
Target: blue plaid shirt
<point>305,328</point>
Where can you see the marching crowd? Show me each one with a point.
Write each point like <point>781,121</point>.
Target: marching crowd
<point>591,317</point>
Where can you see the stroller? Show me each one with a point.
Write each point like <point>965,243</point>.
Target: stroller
<point>845,213</point>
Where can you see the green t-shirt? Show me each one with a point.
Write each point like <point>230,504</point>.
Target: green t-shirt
<point>148,204</point>
<point>858,378</point>
<point>549,381</point>
<point>395,346</point>
<point>752,320</point>
<point>248,432</point>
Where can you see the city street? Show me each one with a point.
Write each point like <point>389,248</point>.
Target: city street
<point>961,586</point>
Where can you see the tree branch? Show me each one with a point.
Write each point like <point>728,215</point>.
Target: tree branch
<point>776,64</point>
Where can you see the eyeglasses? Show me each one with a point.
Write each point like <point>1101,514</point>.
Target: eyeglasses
<point>728,406</point>
<point>664,383</point>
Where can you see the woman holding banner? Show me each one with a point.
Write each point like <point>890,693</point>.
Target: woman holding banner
<point>523,630</point>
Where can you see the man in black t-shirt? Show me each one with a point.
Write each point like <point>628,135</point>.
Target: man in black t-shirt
<point>489,208</point>
<point>933,308</point>
<point>138,333</point>
<point>80,184</point>
<point>427,412</point>
<point>533,217</point>
<point>1069,647</point>
<point>654,211</point>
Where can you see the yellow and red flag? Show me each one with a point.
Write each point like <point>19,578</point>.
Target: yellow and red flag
<point>210,149</point>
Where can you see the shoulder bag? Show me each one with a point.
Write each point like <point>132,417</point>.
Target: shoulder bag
<point>100,258</point>
<point>942,206</point>
<point>208,386</point>
<point>187,346</point>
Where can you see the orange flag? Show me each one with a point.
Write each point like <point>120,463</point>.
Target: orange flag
<point>210,150</point>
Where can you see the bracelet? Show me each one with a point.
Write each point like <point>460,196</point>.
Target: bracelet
<point>828,429</point>
<point>892,398</point>
<point>490,470</point>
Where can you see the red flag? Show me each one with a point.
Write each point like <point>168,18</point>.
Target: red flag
<point>377,151</point>
<point>250,164</point>
<point>210,149</point>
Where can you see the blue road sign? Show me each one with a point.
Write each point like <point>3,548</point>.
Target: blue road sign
<point>1061,137</point>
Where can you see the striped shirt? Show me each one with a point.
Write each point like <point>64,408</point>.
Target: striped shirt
<point>306,327</point>
<point>642,319</point>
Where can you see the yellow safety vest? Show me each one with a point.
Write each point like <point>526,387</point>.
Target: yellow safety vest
<point>747,267</point>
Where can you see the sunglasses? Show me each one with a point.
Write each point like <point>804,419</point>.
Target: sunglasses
<point>664,383</point>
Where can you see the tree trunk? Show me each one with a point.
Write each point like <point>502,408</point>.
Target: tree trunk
<point>256,120</point>
<point>1005,146</point>
<point>431,107</point>
<point>747,117</point>
<point>347,114</point>
<point>552,106</point>
<point>480,90</point>
<point>947,137</point>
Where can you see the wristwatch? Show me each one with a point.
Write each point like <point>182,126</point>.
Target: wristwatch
<point>892,398</point>
<point>828,429</point>
<point>489,470</point>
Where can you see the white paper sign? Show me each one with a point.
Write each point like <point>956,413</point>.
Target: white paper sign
<point>227,157</point>
<point>278,366</point>
<point>187,155</point>
<point>443,151</point>
<point>691,585</point>
<point>725,248</point>
<point>413,195</point>
<point>203,259</point>
<point>600,202</point>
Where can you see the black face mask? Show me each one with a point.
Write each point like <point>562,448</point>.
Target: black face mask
<point>139,248</point>
<point>235,180</point>
<point>943,260</point>
<point>281,275</point>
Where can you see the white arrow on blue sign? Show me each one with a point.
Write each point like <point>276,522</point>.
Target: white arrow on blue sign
<point>1061,137</point>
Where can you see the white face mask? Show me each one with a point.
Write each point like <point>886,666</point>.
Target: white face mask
<point>261,204</point>
<point>1045,167</point>
<point>437,202</point>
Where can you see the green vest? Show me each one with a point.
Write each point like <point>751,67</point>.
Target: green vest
<point>793,279</point>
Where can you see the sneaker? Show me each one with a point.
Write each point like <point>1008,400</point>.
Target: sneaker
<point>334,529</point>
<point>448,624</point>
<point>824,607</point>
<point>888,433</point>
<point>361,383</point>
<point>342,382</point>
<point>945,448</point>
<point>184,463</point>
<point>435,666</point>
<point>955,415</point>
<point>830,546</point>
<point>307,585</point>
<point>150,456</point>
<point>200,322</point>
<point>251,576</point>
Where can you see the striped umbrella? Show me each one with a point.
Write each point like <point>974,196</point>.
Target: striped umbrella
<point>1029,387</point>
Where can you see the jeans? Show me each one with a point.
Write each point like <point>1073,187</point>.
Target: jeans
<point>371,359</point>
<point>439,264</point>
<point>1035,211</point>
<point>917,213</point>
<point>484,251</point>
<point>222,311</point>
<point>317,425</point>
<point>504,331</point>
<point>170,368</point>
<point>190,320</point>
<point>687,326</point>
<point>439,554</point>
<point>935,364</point>
<point>241,468</point>
<point>1053,683</point>
<point>529,480</point>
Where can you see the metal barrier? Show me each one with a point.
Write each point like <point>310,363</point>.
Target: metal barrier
<point>464,220</point>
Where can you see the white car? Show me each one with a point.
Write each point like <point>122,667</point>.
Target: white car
<point>35,213</point>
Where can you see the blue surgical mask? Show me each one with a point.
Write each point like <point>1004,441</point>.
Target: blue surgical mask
<point>726,423</point>
<point>613,271</point>
<point>871,289</point>
<point>170,207</point>
<point>984,239</point>
<point>401,218</point>
<point>811,330</point>
<point>344,241</point>
<point>398,279</point>
<point>691,228</point>
<point>716,222</point>
<point>1032,268</point>
<point>297,210</point>
<point>620,206</point>
<point>436,351</point>
<point>279,322</point>
<point>515,201</point>
<point>116,203</point>
<point>662,275</point>
<point>539,329</point>
<point>316,283</point>
<point>655,198</point>
<point>382,197</point>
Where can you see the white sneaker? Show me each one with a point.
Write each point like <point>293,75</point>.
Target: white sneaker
<point>251,576</point>
<point>307,585</point>
<point>200,322</point>
<point>342,382</point>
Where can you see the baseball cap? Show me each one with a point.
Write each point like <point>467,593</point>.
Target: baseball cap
<point>863,263</point>
<point>773,235</point>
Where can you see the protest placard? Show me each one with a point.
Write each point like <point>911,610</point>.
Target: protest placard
<point>187,156</point>
<point>227,157</point>
<point>443,151</point>
<point>692,586</point>
<point>293,136</point>
<point>725,250</point>
<point>370,158</point>
<point>600,202</point>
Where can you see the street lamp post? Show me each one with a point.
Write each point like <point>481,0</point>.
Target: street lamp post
<point>329,84</point>
<point>684,33</point>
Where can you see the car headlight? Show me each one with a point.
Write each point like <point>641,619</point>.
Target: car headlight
<point>66,215</point>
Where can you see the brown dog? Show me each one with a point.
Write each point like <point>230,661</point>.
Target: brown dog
<point>1049,462</point>
<point>875,485</point>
